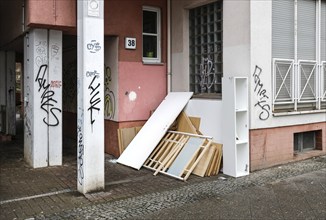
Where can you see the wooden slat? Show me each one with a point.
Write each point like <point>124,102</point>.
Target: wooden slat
<point>166,163</point>
<point>159,150</point>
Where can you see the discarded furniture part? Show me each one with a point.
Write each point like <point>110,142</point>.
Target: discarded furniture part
<point>178,154</point>
<point>209,165</point>
<point>236,151</point>
<point>154,129</point>
<point>125,136</point>
<point>195,122</point>
<point>184,124</point>
<point>168,148</point>
<point>181,151</point>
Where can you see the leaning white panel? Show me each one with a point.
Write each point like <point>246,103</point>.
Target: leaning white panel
<point>154,129</point>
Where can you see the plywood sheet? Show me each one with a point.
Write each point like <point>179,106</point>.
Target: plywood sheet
<point>204,163</point>
<point>125,136</point>
<point>154,129</point>
<point>195,122</point>
<point>184,124</point>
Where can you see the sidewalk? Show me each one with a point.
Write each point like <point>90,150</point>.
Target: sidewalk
<point>296,190</point>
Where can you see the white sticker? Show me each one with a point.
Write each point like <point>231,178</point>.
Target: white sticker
<point>93,8</point>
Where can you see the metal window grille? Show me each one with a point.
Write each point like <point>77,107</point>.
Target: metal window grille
<point>283,81</point>
<point>323,96</point>
<point>205,49</point>
<point>307,81</point>
<point>298,51</point>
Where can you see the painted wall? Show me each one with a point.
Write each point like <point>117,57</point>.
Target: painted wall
<point>124,19</point>
<point>260,73</point>
<point>141,89</point>
<point>51,13</point>
<point>273,146</point>
<point>236,38</point>
<point>138,88</point>
<point>210,113</point>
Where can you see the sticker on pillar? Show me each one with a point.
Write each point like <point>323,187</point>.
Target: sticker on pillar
<point>93,8</point>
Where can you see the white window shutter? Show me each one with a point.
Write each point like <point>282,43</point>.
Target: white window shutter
<point>283,29</point>
<point>323,31</point>
<point>306,30</point>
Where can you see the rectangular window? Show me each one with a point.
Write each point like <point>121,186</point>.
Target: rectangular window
<point>151,35</point>
<point>205,50</point>
<point>305,141</point>
<point>298,41</point>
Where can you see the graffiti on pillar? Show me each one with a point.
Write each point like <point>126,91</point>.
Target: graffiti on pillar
<point>80,146</point>
<point>95,99</point>
<point>41,55</point>
<point>54,51</point>
<point>28,123</point>
<point>93,46</point>
<point>109,105</point>
<point>260,92</point>
<point>56,84</point>
<point>48,103</point>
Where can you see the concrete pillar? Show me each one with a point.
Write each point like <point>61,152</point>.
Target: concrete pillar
<point>8,92</point>
<point>90,112</point>
<point>2,91</point>
<point>55,115</point>
<point>43,98</point>
<point>11,93</point>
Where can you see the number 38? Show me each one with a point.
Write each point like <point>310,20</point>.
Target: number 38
<point>131,43</point>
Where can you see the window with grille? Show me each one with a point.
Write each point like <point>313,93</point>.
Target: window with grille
<point>298,51</point>
<point>205,50</point>
<point>151,35</point>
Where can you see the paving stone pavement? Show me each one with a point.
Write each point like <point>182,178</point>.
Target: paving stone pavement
<point>172,203</point>
<point>50,193</point>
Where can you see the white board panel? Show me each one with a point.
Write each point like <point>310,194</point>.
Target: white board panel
<point>186,154</point>
<point>154,129</point>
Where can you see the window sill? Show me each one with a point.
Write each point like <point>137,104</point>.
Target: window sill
<point>298,112</point>
<point>153,63</point>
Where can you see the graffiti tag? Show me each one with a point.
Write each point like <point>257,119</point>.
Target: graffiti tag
<point>47,100</point>
<point>263,98</point>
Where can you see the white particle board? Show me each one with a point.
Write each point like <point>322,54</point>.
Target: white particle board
<point>154,129</point>
<point>187,153</point>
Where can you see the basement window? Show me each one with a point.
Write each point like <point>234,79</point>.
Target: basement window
<point>306,141</point>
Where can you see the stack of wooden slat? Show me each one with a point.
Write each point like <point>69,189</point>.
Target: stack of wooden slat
<point>210,164</point>
<point>182,151</point>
